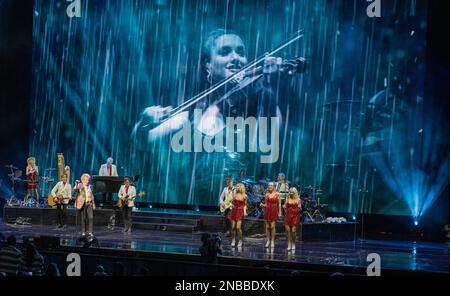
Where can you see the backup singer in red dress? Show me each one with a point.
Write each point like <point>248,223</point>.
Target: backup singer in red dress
<point>32,183</point>
<point>272,211</point>
<point>237,213</point>
<point>292,206</point>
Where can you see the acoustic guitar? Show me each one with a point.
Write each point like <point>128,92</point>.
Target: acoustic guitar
<point>56,200</point>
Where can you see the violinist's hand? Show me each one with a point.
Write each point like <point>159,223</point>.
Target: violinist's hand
<point>153,114</point>
<point>271,64</point>
<point>294,66</point>
<point>149,126</point>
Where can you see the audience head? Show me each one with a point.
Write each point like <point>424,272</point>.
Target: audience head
<point>11,240</point>
<point>52,270</point>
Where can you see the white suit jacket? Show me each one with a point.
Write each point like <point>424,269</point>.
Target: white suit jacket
<point>105,172</point>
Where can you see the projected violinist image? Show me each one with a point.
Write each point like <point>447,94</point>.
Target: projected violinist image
<point>184,96</point>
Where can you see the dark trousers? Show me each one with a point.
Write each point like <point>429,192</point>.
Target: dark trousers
<point>126,214</point>
<point>87,218</point>
<point>107,199</point>
<point>61,210</point>
<point>227,221</point>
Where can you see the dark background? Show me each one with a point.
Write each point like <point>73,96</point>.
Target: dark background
<point>15,90</point>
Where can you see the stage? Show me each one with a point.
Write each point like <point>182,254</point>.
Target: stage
<point>188,221</point>
<point>171,251</point>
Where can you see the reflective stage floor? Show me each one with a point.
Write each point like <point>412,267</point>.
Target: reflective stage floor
<point>395,255</point>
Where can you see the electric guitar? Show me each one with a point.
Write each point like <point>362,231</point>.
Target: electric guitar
<point>225,205</point>
<point>124,201</point>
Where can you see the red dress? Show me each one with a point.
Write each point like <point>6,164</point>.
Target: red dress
<point>32,181</point>
<point>271,210</point>
<point>237,212</point>
<point>292,214</point>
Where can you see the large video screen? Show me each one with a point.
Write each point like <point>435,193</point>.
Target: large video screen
<point>187,93</point>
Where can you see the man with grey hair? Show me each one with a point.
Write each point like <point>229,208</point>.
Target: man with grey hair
<point>85,202</point>
<point>282,187</point>
<point>108,169</point>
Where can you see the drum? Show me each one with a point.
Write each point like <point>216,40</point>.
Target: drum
<point>305,203</point>
<point>258,189</point>
<point>254,200</point>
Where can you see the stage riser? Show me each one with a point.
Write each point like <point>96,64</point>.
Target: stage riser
<point>48,216</point>
<point>184,223</point>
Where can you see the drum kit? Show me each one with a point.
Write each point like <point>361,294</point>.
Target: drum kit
<point>15,176</point>
<point>313,210</point>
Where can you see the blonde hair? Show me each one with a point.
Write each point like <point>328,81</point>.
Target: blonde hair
<point>28,163</point>
<point>240,188</point>
<point>294,190</point>
<point>85,175</point>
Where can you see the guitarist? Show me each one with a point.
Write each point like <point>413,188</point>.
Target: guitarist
<point>225,202</point>
<point>127,194</point>
<point>62,193</point>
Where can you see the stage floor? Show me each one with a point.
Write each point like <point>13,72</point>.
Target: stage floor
<point>395,255</point>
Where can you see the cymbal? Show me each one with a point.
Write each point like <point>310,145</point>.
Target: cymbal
<point>50,169</point>
<point>10,166</point>
<point>18,179</point>
<point>248,181</point>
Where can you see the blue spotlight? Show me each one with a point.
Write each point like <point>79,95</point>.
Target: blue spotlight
<point>354,218</point>
<point>197,209</point>
<point>416,222</point>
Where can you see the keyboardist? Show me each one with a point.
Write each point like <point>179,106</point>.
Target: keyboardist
<point>108,169</point>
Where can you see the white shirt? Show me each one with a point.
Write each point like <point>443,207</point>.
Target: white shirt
<point>282,187</point>
<point>64,189</point>
<point>104,170</point>
<point>88,194</point>
<point>131,194</point>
